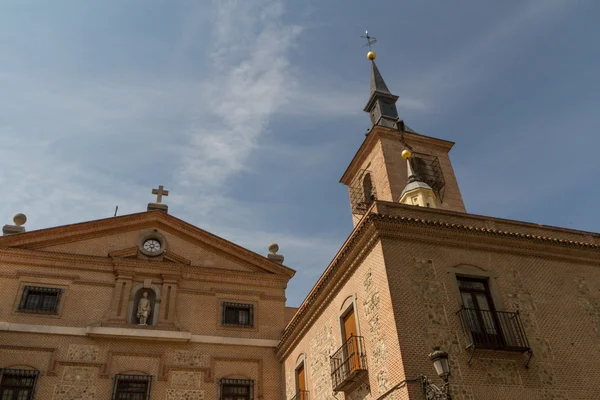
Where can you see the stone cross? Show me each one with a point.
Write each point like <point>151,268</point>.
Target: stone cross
<point>160,192</point>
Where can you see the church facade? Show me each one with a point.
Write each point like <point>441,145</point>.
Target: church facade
<point>146,306</point>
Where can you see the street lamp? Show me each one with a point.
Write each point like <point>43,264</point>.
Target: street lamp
<point>439,359</point>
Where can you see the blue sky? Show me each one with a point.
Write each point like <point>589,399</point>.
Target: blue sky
<point>249,111</point>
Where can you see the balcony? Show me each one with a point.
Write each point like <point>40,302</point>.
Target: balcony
<point>301,395</point>
<point>497,330</point>
<point>348,365</point>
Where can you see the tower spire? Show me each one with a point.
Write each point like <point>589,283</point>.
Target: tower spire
<point>382,103</point>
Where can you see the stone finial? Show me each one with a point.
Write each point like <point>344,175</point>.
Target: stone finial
<point>273,256</point>
<point>18,227</point>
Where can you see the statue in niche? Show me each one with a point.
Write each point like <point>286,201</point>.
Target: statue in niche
<point>143,310</point>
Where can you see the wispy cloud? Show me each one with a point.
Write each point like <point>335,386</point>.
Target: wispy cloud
<point>251,57</point>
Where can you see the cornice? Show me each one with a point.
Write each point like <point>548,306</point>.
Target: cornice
<point>375,226</point>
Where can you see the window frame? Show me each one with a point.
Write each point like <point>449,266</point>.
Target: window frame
<point>45,292</point>
<point>238,307</point>
<point>235,383</point>
<point>131,377</point>
<point>25,374</point>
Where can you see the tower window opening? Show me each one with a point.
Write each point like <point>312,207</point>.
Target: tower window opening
<point>429,170</point>
<point>362,192</point>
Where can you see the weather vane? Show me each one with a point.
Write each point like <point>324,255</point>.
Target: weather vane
<point>370,41</point>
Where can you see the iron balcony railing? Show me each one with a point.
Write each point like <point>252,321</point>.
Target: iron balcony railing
<point>347,362</point>
<point>301,395</point>
<point>494,329</point>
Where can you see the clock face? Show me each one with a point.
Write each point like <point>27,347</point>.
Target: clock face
<point>152,245</point>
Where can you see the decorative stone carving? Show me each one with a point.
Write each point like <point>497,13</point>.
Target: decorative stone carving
<point>321,346</point>
<point>379,353</point>
<point>144,308</point>
<point>368,281</point>
<point>182,394</point>
<point>374,328</point>
<point>501,372</point>
<point>371,304</point>
<point>82,352</point>
<point>191,358</point>
<point>70,392</point>
<point>75,375</point>
<point>187,379</point>
<point>383,383</point>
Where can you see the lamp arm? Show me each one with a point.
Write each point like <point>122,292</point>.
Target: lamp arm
<point>399,384</point>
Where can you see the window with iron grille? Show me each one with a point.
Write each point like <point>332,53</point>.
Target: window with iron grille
<point>238,314</point>
<point>132,387</point>
<point>237,389</point>
<point>38,299</point>
<point>17,384</point>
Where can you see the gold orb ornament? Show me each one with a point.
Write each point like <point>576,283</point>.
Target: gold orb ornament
<point>406,154</point>
<point>371,55</point>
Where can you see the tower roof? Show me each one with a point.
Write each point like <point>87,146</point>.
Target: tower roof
<point>377,82</point>
<point>382,103</point>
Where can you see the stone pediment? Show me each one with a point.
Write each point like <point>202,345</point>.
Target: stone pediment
<point>124,237</point>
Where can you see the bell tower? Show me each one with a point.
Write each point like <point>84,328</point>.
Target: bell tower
<point>378,170</point>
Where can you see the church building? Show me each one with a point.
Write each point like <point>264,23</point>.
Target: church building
<point>422,301</point>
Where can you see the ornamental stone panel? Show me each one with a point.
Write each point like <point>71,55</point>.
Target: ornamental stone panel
<point>71,392</point>
<point>182,394</point>
<point>75,375</point>
<point>82,352</point>
<point>501,372</point>
<point>191,358</point>
<point>187,379</point>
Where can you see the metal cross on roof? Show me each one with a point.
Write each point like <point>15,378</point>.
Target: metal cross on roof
<point>370,40</point>
<point>160,192</point>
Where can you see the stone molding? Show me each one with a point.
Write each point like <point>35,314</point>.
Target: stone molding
<point>51,369</point>
<point>132,333</point>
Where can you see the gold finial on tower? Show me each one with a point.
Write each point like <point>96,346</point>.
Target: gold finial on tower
<point>406,154</point>
<point>371,55</point>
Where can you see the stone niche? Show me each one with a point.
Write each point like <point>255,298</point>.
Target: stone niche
<point>137,292</point>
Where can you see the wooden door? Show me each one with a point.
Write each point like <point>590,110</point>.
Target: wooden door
<point>301,379</point>
<point>352,351</point>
